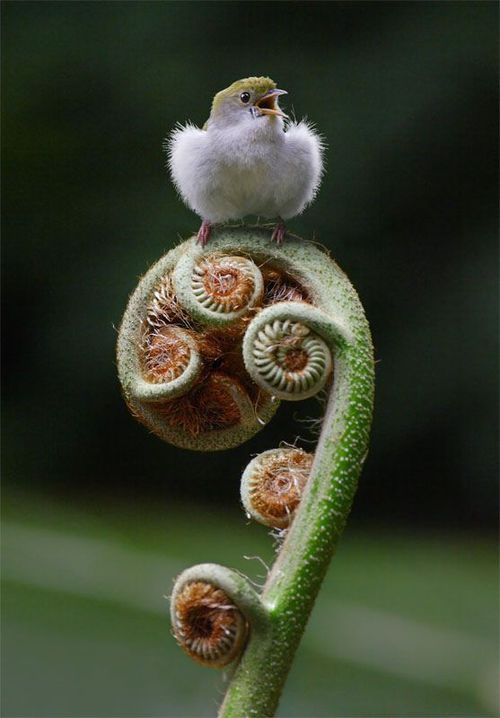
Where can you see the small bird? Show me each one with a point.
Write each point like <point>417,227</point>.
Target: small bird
<point>249,159</point>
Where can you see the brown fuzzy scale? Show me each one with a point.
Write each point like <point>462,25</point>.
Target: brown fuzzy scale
<point>221,351</point>
<point>208,626</point>
<point>295,360</point>
<point>277,484</point>
<point>214,344</point>
<point>165,355</point>
<point>280,287</point>
<point>164,307</point>
<point>208,406</point>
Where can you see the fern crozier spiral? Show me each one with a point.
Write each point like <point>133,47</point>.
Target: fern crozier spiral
<point>291,362</point>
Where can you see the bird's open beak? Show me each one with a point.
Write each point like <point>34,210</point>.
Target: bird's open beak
<point>268,105</point>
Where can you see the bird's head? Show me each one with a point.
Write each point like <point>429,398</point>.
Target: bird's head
<point>248,100</point>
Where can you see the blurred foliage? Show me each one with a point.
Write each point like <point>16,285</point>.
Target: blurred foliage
<point>406,95</point>
<point>404,626</point>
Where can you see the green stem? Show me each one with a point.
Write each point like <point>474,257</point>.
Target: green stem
<point>298,572</point>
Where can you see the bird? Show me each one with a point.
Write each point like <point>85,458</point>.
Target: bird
<point>249,158</point>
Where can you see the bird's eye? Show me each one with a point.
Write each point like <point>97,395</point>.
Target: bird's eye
<point>245,97</point>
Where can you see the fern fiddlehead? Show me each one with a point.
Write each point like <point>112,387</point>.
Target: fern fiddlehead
<point>247,324</point>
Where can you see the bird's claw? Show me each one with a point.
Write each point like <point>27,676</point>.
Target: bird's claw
<point>204,233</point>
<point>279,233</point>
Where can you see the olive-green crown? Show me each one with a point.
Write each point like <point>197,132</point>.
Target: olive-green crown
<point>259,85</point>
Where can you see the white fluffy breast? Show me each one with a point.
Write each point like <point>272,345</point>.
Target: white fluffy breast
<point>258,169</point>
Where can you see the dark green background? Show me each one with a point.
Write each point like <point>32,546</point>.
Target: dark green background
<point>406,97</point>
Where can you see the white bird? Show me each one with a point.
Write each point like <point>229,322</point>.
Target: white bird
<point>246,160</point>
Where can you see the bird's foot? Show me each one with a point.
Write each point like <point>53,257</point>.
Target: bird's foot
<point>279,233</point>
<point>204,233</point>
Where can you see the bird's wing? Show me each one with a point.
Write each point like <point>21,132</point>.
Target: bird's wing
<point>302,168</point>
<point>308,146</point>
<point>185,148</point>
